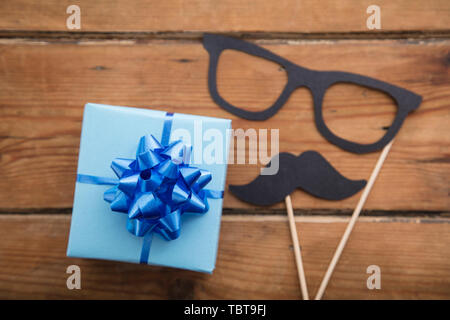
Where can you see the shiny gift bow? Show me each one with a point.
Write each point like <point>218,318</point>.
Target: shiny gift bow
<point>158,187</point>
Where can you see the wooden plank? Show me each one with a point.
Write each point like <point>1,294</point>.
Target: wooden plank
<point>45,85</point>
<point>255,261</point>
<point>226,16</point>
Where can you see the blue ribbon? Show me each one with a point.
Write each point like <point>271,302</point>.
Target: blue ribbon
<point>156,188</point>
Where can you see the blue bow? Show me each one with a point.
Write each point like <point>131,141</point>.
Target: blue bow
<point>157,187</point>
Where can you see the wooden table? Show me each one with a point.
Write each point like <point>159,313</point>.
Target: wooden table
<point>149,54</point>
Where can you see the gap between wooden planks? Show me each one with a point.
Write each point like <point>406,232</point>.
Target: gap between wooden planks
<point>45,85</point>
<point>227,15</point>
<point>254,261</point>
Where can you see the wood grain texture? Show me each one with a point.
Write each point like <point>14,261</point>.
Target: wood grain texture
<point>226,16</point>
<point>45,85</point>
<point>255,261</point>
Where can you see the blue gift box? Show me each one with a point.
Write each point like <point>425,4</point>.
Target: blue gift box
<point>110,132</point>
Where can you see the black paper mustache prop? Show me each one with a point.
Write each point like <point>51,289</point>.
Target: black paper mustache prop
<point>309,171</point>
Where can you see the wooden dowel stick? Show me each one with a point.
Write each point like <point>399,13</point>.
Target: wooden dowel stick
<point>298,255</point>
<point>352,222</point>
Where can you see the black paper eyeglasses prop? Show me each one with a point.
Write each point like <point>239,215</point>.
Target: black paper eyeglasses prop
<point>316,81</point>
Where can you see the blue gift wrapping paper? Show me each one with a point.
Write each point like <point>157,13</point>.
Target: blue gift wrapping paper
<point>110,132</point>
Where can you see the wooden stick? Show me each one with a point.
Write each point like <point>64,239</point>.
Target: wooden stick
<point>352,222</point>
<point>298,255</point>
